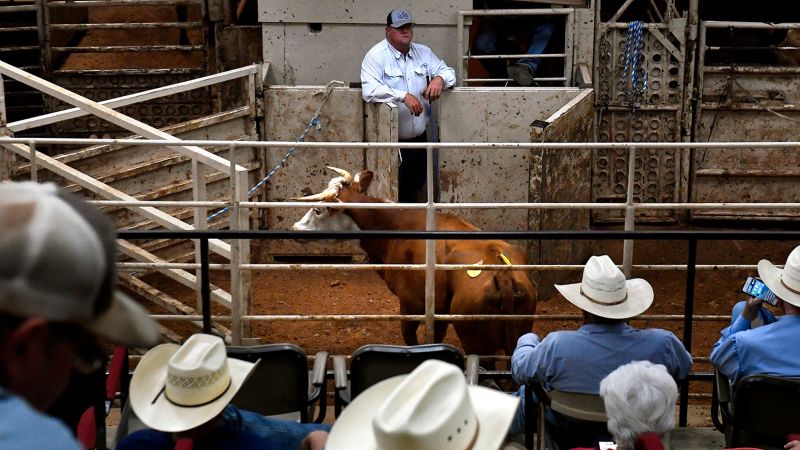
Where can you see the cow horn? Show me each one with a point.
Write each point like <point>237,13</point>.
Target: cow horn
<point>343,173</point>
<point>327,195</point>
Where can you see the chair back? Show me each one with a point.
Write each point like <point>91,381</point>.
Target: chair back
<point>586,407</point>
<point>279,384</point>
<point>376,362</point>
<point>762,409</point>
<point>585,413</point>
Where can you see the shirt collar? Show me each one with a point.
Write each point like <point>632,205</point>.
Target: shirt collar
<point>598,328</point>
<point>397,54</point>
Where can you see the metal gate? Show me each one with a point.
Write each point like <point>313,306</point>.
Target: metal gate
<point>657,114</point>
<point>104,50</point>
<point>748,90</point>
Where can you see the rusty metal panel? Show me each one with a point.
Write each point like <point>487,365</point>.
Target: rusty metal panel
<point>425,12</point>
<point>380,125</point>
<point>299,56</point>
<point>657,171</point>
<point>752,100</point>
<point>562,176</point>
<point>496,175</point>
<point>288,110</point>
<point>658,116</point>
<point>751,175</point>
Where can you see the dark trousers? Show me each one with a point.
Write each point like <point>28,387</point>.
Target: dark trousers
<point>411,180</point>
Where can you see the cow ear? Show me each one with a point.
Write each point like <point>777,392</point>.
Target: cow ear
<point>362,181</point>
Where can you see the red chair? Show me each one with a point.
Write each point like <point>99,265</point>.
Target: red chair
<point>91,431</point>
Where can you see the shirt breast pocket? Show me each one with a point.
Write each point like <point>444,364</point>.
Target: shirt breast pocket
<point>392,73</point>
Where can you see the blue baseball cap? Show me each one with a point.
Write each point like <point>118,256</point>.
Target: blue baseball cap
<point>398,17</point>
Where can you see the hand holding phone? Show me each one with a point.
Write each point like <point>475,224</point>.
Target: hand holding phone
<point>756,288</point>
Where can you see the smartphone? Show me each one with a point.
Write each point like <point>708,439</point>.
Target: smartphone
<point>757,288</point>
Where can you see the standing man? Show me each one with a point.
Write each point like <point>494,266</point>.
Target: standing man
<point>57,293</point>
<point>410,75</point>
<point>577,361</point>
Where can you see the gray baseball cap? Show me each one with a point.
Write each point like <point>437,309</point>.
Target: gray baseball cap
<point>398,17</point>
<point>57,261</point>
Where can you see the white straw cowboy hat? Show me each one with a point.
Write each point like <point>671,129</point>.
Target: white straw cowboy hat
<point>785,283</point>
<point>432,408</point>
<point>177,388</point>
<point>604,292</point>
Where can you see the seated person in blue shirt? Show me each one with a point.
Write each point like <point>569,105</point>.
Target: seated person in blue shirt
<point>184,391</point>
<point>576,361</point>
<point>746,349</point>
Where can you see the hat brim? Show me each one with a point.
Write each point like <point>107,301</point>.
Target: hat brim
<point>401,23</point>
<point>151,405</point>
<point>125,322</point>
<point>353,429</point>
<point>639,298</point>
<point>771,276</point>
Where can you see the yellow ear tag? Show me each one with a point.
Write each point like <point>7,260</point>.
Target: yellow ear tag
<point>475,272</point>
<point>505,260</point>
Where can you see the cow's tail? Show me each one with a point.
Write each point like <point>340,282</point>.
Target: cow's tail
<point>505,286</point>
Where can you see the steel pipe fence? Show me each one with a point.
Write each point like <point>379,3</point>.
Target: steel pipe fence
<point>430,235</point>
<point>429,318</point>
<point>465,54</point>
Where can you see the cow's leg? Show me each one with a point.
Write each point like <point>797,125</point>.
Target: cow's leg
<point>439,331</point>
<point>409,330</point>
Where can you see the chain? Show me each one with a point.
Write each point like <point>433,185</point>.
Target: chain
<point>313,123</point>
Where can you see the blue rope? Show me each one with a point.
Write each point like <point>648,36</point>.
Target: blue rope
<point>633,57</point>
<point>313,123</point>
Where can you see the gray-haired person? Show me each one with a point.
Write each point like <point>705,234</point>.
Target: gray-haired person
<point>640,402</point>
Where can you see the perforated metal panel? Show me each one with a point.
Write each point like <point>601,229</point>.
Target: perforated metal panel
<point>158,113</point>
<point>656,117</point>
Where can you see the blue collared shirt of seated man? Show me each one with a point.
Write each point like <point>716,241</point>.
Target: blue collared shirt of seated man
<point>577,361</point>
<point>769,349</point>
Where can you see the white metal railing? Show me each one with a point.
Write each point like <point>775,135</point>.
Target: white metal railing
<point>430,266</point>
<point>237,252</point>
<point>465,54</point>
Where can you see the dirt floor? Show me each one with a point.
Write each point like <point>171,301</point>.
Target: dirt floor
<point>363,292</point>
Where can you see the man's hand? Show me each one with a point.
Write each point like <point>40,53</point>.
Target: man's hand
<point>314,440</point>
<point>751,308</point>
<point>794,445</point>
<point>413,104</point>
<point>434,89</point>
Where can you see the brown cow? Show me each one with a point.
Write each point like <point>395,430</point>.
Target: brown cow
<point>484,292</point>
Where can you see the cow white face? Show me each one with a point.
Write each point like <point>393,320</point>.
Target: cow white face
<point>325,219</point>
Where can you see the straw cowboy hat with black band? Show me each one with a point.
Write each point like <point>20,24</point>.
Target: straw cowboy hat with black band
<point>785,283</point>
<point>178,388</point>
<point>605,292</point>
<point>432,408</point>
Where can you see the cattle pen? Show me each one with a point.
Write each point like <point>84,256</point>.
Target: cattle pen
<point>242,315</point>
<point>660,132</point>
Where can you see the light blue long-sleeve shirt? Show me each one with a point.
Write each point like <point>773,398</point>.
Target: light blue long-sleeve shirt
<point>22,427</point>
<point>387,75</point>
<point>770,349</point>
<point>576,361</point>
